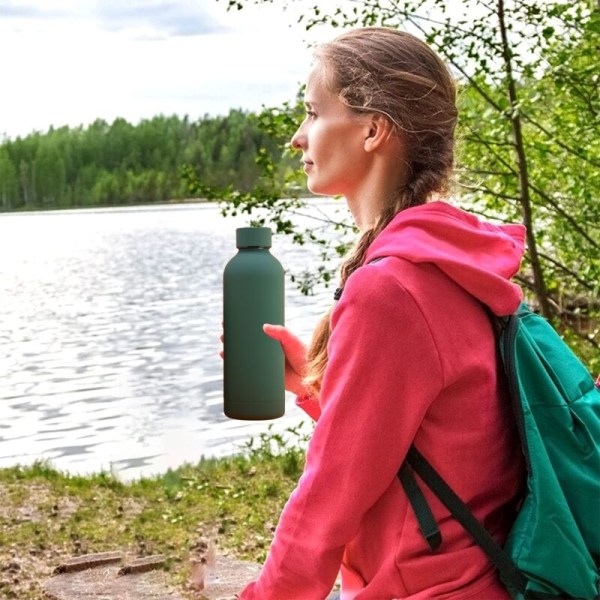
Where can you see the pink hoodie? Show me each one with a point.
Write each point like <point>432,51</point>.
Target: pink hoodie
<point>411,358</point>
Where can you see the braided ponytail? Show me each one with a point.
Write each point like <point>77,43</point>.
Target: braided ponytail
<point>396,74</point>
<point>317,352</point>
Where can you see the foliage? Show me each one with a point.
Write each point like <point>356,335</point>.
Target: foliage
<point>289,447</point>
<point>119,163</point>
<point>529,143</point>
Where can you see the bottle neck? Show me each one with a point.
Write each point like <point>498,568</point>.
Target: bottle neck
<point>267,248</point>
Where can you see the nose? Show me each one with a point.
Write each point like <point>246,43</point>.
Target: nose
<point>298,141</point>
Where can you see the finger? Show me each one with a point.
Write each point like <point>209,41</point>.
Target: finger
<point>278,332</point>
<point>274,331</point>
<point>222,354</point>
<point>291,344</point>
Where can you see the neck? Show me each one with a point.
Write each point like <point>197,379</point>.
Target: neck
<point>375,193</point>
<point>364,212</point>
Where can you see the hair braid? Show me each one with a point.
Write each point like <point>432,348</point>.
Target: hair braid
<point>391,72</point>
<point>317,353</point>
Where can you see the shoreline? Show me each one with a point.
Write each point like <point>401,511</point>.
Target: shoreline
<point>133,205</point>
<point>61,209</point>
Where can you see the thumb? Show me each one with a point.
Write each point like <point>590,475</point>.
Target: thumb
<point>292,346</point>
<point>277,332</point>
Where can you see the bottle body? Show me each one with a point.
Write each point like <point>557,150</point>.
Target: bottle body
<point>254,363</point>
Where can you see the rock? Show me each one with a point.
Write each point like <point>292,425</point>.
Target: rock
<point>96,576</point>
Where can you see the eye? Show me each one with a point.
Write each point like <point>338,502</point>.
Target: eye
<point>311,114</point>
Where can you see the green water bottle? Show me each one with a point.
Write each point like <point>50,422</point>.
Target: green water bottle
<point>254,363</point>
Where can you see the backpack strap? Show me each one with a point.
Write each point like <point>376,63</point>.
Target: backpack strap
<point>427,523</point>
<point>461,512</point>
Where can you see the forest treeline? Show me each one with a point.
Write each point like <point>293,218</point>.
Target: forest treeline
<point>122,163</point>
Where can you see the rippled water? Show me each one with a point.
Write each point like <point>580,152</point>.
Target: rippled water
<point>109,336</point>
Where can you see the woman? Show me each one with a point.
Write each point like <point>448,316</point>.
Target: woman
<point>407,354</point>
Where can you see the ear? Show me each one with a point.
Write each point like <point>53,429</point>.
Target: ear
<point>378,129</point>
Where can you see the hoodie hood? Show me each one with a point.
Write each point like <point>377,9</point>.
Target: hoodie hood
<point>479,256</point>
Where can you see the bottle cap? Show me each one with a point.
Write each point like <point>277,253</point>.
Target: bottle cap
<point>253,237</point>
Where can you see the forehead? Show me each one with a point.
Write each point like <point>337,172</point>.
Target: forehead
<point>317,88</point>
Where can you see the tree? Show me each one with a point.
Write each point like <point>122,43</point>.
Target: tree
<point>8,181</point>
<point>121,163</point>
<point>529,129</point>
<point>49,174</point>
<point>27,181</point>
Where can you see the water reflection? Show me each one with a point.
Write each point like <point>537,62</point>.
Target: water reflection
<point>109,336</point>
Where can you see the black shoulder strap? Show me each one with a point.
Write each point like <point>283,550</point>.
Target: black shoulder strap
<point>459,510</point>
<point>427,523</point>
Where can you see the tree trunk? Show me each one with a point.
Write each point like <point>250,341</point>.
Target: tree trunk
<point>539,283</point>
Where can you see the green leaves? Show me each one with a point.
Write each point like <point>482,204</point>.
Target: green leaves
<point>529,129</point>
<point>120,163</point>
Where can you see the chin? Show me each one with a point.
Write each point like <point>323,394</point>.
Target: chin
<point>320,189</point>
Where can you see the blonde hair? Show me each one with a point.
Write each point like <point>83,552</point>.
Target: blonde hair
<point>377,69</point>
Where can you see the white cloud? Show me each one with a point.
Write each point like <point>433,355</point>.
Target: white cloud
<point>165,17</point>
<point>68,62</point>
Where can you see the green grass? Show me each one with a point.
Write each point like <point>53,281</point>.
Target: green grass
<point>47,516</point>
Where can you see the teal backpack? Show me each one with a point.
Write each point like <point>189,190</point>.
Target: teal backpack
<point>553,547</point>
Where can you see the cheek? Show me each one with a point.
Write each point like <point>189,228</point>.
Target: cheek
<point>327,144</point>
<point>317,138</point>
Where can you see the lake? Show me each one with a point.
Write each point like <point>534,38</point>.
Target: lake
<point>109,335</point>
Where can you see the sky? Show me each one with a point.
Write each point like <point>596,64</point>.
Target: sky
<point>69,62</point>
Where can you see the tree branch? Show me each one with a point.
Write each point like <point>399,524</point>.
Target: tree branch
<point>512,170</point>
<point>483,172</point>
<point>526,210</point>
<point>567,271</point>
<point>564,146</point>
<point>485,190</point>
<point>574,224</point>
<point>459,68</point>
<point>492,142</point>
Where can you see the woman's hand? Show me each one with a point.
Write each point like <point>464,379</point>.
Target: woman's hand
<point>295,357</point>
